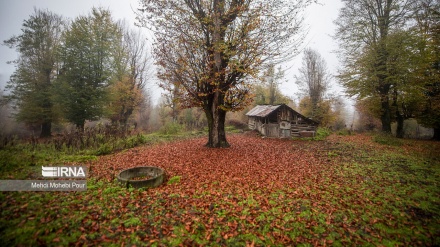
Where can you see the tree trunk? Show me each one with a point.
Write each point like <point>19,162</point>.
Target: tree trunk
<point>382,72</point>
<point>46,129</point>
<point>272,94</point>
<point>217,134</point>
<point>215,115</point>
<point>210,120</point>
<point>399,116</point>
<point>436,134</point>
<point>124,119</point>
<point>399,131</point>
<point>216,124</point>
<point>46,104</point>
<point>386,114</point>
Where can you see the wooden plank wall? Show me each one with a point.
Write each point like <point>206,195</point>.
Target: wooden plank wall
<point>272,130</point>
<point>296,128</point>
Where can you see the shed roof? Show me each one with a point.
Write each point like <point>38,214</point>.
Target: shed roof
<point>262,110</point>
<point>265,110</point>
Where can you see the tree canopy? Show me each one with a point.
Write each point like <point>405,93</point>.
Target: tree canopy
<point>363,31</point>
<point>213,48</point>
<point>31,84</point>
<point>88,63</point>
<point>390,58</point>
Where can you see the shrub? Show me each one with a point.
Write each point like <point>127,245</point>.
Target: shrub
<point>171,129</point>
<point>104,149</point>
<point>322,133</point>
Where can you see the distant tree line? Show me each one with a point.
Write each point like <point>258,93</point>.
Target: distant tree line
<point>77,70</point>
<point>390,51</point>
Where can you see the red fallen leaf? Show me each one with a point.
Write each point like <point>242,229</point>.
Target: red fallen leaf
<point>105,239</point>
<point>251,244</point>
<point>373,221</point>
<point>56,240</point>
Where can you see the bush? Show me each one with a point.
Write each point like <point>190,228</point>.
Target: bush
<point>171,129</point>
<point>344,132</point>
<point>322,133</point>
<point>104,149</point>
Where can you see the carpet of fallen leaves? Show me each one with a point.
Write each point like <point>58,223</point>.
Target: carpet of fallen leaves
<point>250,163</point>
<point>258,192</point>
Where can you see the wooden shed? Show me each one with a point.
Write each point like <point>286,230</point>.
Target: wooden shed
<point>280,121</point>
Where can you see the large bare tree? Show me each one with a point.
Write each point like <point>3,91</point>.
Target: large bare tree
<point>213,48</point>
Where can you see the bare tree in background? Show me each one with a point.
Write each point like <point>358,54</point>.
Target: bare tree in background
<point>272,81</point>
<point>171,100</point>
<point>313,78</point>
<point>133,68</point>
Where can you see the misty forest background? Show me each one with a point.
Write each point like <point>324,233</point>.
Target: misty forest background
<point>93,73</point>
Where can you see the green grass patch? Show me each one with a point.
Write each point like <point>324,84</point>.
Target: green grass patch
<point>321,134</point>
<point>388,140</point>
<point>171,128</point>
<point>21,160</point>
<point>174,180</point>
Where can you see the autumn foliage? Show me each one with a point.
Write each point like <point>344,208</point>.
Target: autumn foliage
<point>345,190</point>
